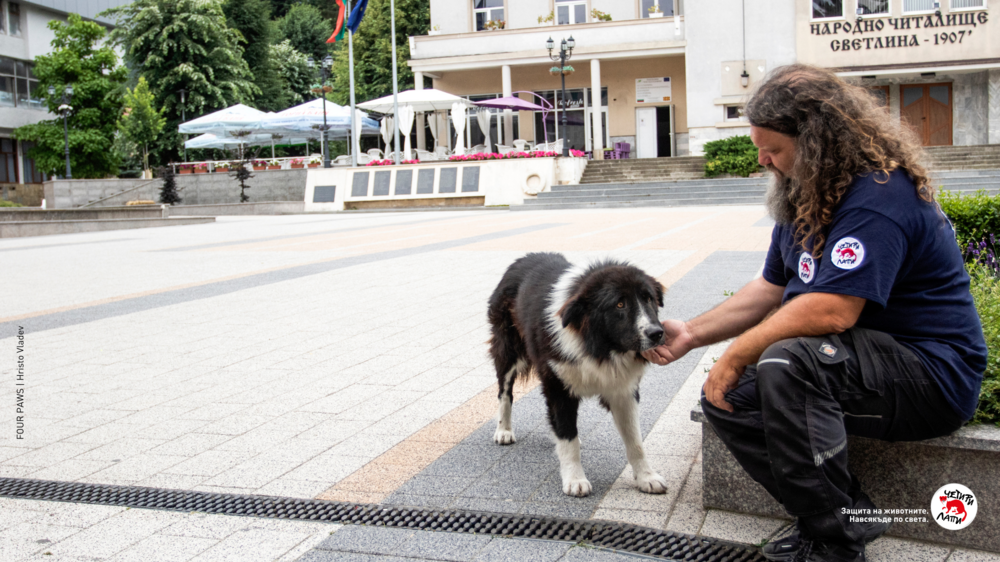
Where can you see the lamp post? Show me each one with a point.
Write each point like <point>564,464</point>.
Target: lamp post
<point>324,70</point>
<point>184,119</point>
<point>65,108</point>
<point>565,53</point>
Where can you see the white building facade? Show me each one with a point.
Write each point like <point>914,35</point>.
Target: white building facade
<point>669,81</point>
<point>24,34</point>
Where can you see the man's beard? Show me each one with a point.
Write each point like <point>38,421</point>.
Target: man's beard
<point>779,199</point>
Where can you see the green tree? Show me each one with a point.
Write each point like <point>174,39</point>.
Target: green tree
<point>183,44</point>
<point>373,50</point>
<point>142,122</point>
<point>97,80</point>
<point>252,18</point>
<point>296,76</point>
<point>327,8</point>
<point>307,30</point>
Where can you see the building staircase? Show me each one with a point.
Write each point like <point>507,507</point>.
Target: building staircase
<point>668,182</point>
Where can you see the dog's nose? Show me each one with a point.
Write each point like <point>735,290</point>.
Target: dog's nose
<point>654,333</point>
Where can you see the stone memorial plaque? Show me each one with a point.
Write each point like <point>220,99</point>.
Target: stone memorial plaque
<point>449,180</point>
<point>425,181</point>
<point>382,180</point>
<point>359,187</point>
<point>324,193</point>
<point>470,179</point>
<point>404,182</point>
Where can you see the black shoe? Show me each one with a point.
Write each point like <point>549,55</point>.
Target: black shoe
<point>785,548</point>
<point>815,551</point>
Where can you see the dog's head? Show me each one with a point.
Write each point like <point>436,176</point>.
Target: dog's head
<point>615,308</point>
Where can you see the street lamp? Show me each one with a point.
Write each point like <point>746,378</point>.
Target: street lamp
<point>565,53</point>
<point>65,108</point>
<point>325,67</point>
<point>183,120</point>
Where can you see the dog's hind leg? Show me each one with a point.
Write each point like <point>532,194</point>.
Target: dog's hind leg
<point>625,410</point>
<point>504,435</point>
<point>508,352</point>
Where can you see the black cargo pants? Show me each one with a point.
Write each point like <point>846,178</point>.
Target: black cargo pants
<point>795,408</point>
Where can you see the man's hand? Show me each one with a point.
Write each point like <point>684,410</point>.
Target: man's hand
<point>721,379</point>
<point>679,341</point>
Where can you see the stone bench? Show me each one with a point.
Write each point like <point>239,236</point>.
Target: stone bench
<point>895,475</point>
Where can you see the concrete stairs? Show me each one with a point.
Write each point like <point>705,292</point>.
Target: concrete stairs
<point>947,158</point>
<point>644,170</point>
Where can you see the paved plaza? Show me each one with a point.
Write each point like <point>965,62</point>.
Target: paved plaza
<point>340,357</point>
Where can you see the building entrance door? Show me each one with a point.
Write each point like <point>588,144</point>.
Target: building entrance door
<point>654,132</point>
<point>927,109</point>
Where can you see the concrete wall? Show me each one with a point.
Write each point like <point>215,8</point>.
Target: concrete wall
<point>194,189</point>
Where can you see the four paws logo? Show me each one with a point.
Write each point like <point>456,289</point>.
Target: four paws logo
<point>848,253</point>
<point>954,507</point>
<point>807,267</point>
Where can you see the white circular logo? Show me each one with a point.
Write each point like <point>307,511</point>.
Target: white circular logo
<point>954,507</point>
<point>848,253</point>
<point>807,267</point>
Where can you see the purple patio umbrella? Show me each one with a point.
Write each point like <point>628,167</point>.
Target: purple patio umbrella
<point>516,103</point>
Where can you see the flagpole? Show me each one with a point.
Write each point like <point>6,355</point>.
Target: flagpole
<point>395,85</point>
<point>350,58</point>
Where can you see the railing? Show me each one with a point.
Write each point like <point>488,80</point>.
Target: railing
<point>213,166</point>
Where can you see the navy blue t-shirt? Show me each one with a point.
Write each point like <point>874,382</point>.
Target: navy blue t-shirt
<point>898,252</point>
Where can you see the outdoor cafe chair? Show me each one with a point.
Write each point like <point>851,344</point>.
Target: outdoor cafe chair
<point>426,156</point>
<point>375,154</point>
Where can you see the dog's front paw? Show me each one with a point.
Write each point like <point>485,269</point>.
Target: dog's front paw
<point>651,483</point>
<point>504,436</point>
<point>579,488</point>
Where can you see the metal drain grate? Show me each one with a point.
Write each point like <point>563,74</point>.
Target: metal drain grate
<point>616,536</point>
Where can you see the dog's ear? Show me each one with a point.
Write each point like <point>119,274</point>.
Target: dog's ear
<point>657,289</point>
<point>573,311</point>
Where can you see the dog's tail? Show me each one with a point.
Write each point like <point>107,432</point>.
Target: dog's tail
<point>506,344</point>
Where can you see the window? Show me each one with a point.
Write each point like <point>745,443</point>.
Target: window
<point>18,86</point>
<point>571,11</point>
<point>8,161</point>
<point>31,173</point>
<point>874,7</point>
<point>825,9</point>
<point>910,6</point>
<point>666,7</point>
<point>487,11</point>
<point>13,18</point>
<point>735,113</point>
<point>967,4</point>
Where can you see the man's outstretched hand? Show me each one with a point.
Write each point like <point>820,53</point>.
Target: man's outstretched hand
<point>679,341</point>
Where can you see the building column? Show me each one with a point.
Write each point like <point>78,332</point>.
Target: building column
<point>418,84</point>
<point>595,109</point>
<point>508,115</point>
<point>993,85</point>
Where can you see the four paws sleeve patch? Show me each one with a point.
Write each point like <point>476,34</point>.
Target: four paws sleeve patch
<point>848,253</point>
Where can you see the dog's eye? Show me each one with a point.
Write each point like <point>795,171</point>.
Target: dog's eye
<point>621,305</point>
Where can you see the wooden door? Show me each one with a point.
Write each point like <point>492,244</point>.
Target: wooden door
<point>927,109</point>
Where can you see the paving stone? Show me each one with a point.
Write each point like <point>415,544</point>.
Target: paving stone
<point>454,547</point>
<point>366,540</point>
<point>504,550</point>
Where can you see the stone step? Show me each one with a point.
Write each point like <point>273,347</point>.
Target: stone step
<point>637,194</point>
<point>539,206</point>
<point>727,184</point>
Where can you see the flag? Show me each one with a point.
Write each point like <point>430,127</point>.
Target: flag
<point>356,15</point>
<point>338,33</point>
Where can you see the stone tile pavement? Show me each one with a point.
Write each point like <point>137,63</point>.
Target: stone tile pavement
<point>336,357</point>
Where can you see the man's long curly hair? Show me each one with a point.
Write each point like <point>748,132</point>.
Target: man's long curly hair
<point>840,132</point>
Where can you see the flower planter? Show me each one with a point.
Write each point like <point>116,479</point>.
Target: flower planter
<point>314,165</point>
<point>298,166</point>
<point>656,14</point>
<point>274,167</point>
<point>259,168</point>
<point>201,170</point>
<point>433,32</point>
<point>222,170</point>
<point>186,171</point>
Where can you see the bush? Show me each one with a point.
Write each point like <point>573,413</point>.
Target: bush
<point>985,288</point>
<point>5,203</point>
<point>735,155</point>
<point>974,215</point>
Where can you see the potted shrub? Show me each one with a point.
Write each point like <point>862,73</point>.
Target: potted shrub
<point>315,162</point>
<point>598,15</point>
<point>298,163</point>
<point>186,168</point>
<point>548,20</point>
<point>654,11</point>
<point>259,165</point>
<point>201,169</point>
<point>222,168</point>
<point>436,30</point>
<point>274,164</point>
<point>494,25</point>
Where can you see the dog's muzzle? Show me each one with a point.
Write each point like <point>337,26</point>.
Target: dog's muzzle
<point>652,336</point>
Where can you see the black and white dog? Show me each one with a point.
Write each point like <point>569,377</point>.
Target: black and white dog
<point>582,329</point>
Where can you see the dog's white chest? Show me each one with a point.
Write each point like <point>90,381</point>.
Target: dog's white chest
<point>586,378</point>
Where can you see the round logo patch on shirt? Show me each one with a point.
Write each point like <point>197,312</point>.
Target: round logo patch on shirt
<point>807,267</point>
<point>848,253</point>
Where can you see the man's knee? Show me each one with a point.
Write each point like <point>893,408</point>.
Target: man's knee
<point>782,370</point>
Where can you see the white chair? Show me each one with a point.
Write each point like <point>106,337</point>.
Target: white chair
<point>477,149</point>
<point>364,159</point>
<point>521,145</point>
<point>441,152</point>
<point>557,146</point>
<point>504,149</point>
<point>375,154</point>
<point>343,160</point>
<point>426,156</point>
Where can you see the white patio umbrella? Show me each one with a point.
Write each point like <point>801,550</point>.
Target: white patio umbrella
<point>224,142</point>
<point>420,100</point>
<point>406,115</point>
<point>458,118</point>
<point>483,116</point>
<point>308,117</point>
<point>236,118</point>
